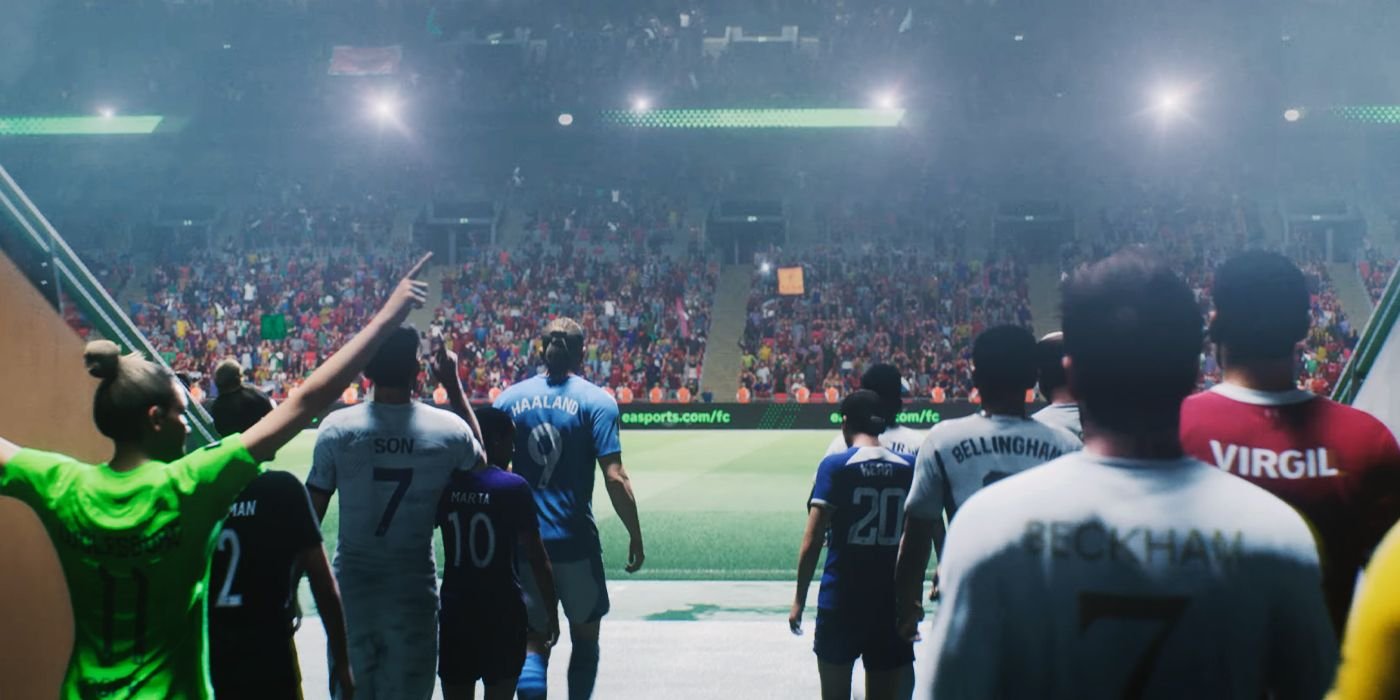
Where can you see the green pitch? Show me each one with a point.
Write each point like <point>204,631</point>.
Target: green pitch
<point>715,505</point>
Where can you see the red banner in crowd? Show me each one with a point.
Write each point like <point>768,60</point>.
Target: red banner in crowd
<point>366,60</point>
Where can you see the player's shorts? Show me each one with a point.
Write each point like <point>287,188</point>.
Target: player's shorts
<point>580,585</point>
<point>476,644</point>
<point>252,665</point>
<point>841,638</point>
<point>392,630</point>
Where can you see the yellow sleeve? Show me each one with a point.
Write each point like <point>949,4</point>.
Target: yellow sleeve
<point>1371,651</point>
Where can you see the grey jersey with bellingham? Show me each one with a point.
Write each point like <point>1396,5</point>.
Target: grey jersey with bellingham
<point>962,455</point>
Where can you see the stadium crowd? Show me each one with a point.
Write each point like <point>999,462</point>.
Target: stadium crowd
<point>646,315</point>
<point>859,309</point>
<point>1375,270</point>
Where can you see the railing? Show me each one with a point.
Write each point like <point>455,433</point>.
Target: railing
<point>1372,341</point>
<point>52,266</point>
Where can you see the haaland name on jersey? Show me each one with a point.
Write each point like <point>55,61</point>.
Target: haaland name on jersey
<point>1261,463</point>
<point>1093,541</point>
<point>531,403</point>
<point>1004,445</point>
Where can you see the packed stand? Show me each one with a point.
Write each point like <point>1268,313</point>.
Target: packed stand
<point>1375,270</point>
<point>906,306</point>
<point>646,316</point>
<point>1196,236</point>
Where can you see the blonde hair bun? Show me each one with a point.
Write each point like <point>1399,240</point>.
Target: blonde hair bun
<point>102,358</point>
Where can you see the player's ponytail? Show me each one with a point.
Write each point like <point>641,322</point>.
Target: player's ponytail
<point>562,347</point>
<point>130,385</point>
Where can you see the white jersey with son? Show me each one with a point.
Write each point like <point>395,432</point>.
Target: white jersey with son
<point>1092,577</point>
<point>390,463</point>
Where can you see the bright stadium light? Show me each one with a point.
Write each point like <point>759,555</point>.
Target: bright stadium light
<point>106,112</point>
<point>641,103</point>
<point>765,268</point>
<point>1292,114</point>
<point>566,119</point>
<point>385,109</point>
<point>1019,37</point>
<point>1169,100</point>
<point>886,99</point>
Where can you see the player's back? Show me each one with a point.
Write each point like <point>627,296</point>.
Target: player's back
<point>1106,578</point>
<point>865,487</point>
<point>482,515</point>
<point>1338,466</point>
<point>901,439</point>
<point>252,578</point>
<point>975,451</point>
<point>561,430</point>
<point>1062,415</point>
<point>390,464</point>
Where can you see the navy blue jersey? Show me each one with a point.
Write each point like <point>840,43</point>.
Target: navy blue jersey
<point>561,431</point>
<point>865,488</point>
<point>482,516</point>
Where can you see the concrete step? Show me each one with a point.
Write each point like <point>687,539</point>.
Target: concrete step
<point>723,361</point>
<point>1044,286</point>
<point>1351,292</point>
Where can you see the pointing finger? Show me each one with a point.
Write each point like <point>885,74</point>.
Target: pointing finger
<point>413,271</point>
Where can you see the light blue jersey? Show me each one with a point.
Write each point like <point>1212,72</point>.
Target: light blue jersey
<point>561,431</point>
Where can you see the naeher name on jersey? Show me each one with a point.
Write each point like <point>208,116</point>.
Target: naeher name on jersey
<point>1099,577</point>
<point>865,487</point>
<point>962,455</point>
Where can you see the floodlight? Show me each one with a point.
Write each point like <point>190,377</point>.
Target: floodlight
<point>106,112</point>
<point>1292,114</point>
<point>765,268</point>
<point>641,103</point>
<point>886,99</point>
<point>566,119</point>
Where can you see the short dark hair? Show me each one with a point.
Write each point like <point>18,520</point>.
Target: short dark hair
<point>862,410</point>
<point>495,423</point>
<point>1133,334</point>
<point>396,363</point>
<point>1003,360</point>
<point>884,380</point>
<point>1261,307</point>
<point>1050,363</point>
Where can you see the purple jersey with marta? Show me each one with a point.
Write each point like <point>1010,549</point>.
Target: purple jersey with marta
<point>865,488</point>
<point>482,516</point>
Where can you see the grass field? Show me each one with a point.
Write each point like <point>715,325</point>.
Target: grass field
<point>715,505</point>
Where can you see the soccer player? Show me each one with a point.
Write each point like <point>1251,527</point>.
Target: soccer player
<point>884,380</point>
<point>238,405</point>
<point>859,497</point>
<point>390,459</point>
<point>1062,410</point>
<point>1370,667</point>
<point>1338,466</point>
<point>270,537</point>
<point>1130,569</point>
<point>134,534</point>
<point>962,455</point>
<point>485,514</point>
<point>563,426</point>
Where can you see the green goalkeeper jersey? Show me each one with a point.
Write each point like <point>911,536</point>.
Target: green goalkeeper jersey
<point>135,548</point>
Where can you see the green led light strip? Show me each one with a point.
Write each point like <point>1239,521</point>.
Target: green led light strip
<point>78,126</point>
<point>757,118</point>
<point>1368,114</point>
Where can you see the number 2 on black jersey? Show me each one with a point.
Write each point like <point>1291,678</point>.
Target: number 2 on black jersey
<point>1166,610</point>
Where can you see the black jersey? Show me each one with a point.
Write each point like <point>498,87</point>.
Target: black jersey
<point>253,575</point>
